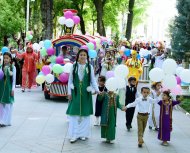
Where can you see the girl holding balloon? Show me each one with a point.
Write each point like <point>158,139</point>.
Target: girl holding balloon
<point>7,86</point>
<point>80,97</point>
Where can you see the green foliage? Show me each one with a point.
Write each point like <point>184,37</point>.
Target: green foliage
<point>185,104</point>
<point>180,28</point>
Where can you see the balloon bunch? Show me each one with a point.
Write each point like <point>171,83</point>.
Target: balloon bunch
<point>69,19</point>
<point>171,76</point>
<point>46,48</point>
<point>29,35</point>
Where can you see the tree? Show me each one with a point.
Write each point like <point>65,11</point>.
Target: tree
<point>180,29</point>
<point>47,18</point>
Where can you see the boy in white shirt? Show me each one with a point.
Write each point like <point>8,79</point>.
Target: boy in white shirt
<point>143,104</point>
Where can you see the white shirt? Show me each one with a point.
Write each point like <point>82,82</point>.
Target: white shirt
<point>81,75</point>
<point>143,106</point>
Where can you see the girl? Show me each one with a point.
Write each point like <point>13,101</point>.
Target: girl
<point>102,89</point>
<point>108,63</point>
<point>153,119</point>
<point>80,107</point>
<point>166,107</point>
<point>7,86</point>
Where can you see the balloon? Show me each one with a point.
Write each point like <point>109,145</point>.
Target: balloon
<point>68,14</point>
<point>76,19</point>
<point>111,84</point>
<point>49,78</point>
<point>127,52</point>
<point>185,75</point>
<point>69,23</point>
<point>179,70</point>
<point>169,66</point>
<point>177,90</point>
<point>46,69</point>
<point>121,83</point>
<point>36,46</point>
<point>178,80</point>
<point>83,47</point>
<point>30,37</point>
<point>31,32</point>
<point>94,42</point>
<point>4,49</point>
<point>40,73</point>
<point>40,79</point>
<point>61,20</point>
<point>156,75</point>
<point>67,67</point>
<point>1,74</point>
<point>64,77</point>
<point>170,81</point>
<point>53,59</point>
<point>50,51</point>
<point>47,44</point>
<point>92,54</point>
<point>41,43</point>
<point>59,60</point>
<point>57,68</point>
<point>123,48</point>
<point>90,46</point>
<point>43,51</point>
<point>109,74</point>
<point>121,71</point>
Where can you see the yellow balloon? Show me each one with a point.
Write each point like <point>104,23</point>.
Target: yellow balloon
<point>40,79</point>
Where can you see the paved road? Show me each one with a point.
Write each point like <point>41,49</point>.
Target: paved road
<point>40,126</point>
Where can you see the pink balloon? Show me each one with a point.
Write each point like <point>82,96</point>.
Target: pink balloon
<point>76,19</point>
<point>68,14</point>
<point>109,74</point>
<point>1,74</point>
<point>94,42</point>
<point>178,80</point>
<point>177,90</point>
<point>83,47</point>
<point>46,69</point>
<point>59,60</point>
<point>64,77</point>
<point>50,51</point>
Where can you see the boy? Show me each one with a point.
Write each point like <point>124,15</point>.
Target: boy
<point>143,104</point>
<point>131,93</point>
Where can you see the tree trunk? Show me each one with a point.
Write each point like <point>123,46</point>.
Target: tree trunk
<point>99,5</point>
<point>5,42</point>
<point>47,18</point>
<point>82,25</point>
<point>130,19</point>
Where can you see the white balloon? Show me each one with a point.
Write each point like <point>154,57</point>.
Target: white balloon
<point>121,83</point>
<point>170,81</point>
<point>36,46</point>
<point>69,23</point>
<point>156,74</point>
<point>41,43</point>
<point>185,75</point>
<point>121,71</point>
<point>49,78</point>
<point>179,70</point>
<point>67,67</point>
<point>111,84</point>
<point>61,20</point>
<point>123,48</point>
<point>169,66</point>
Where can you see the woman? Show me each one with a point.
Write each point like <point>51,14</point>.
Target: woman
<point>80,106</point>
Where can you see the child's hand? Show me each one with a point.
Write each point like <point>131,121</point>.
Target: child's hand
<point>69,97</point>
<point>124,108</point>
<point>12,93</point>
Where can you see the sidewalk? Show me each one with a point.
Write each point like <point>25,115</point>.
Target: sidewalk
<point>40,126</point>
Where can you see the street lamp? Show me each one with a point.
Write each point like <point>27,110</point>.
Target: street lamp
<point>27,14</point>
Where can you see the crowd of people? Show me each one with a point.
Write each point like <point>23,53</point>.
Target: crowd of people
<point>154,104</point>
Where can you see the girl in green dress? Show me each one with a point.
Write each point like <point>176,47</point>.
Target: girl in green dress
<point>7,86</point>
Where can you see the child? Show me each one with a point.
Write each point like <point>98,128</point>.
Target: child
<point>143,104</point>
<point>108,116</point>
<point>131,92</point>
<point>153,119</point>
<point>102,89</point>
<point>7,86</point>
<point>166,106</point>
<point>80,106</point>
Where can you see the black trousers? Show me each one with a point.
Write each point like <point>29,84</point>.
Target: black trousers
<point>98,108</point>
<point>129,115</point>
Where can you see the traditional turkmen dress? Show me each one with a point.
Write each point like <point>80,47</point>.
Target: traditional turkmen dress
<point>165,120</point>
<point>80,107</point>
<point>108,116</point>
<point>6,100</point>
